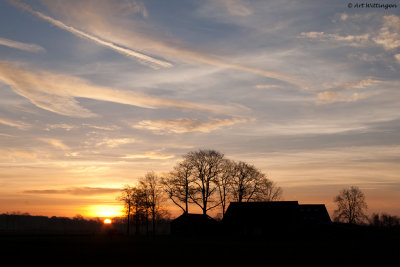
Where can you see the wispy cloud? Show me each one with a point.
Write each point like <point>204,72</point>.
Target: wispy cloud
<point>352,40</point>
<point>18,124</point>
<point>265,86</point>
<point>389,34</point>
<point>90,170</point>
<point>55,143</point>
<point>149,155</point>
<point>78,191</point>
<point>185,125</point>
<point>397,57</point>
<point>359,84</point>
<point>21,46</point>
<point>237,7</point>
<point>115,142</point>
<point>105,128</point>
<point>122,50</point>
<point>15,154</point>
<point>337,91</point>
<point>125,31</point>
<point>332,97</point>
<point>57,93</point>
<point>67,127</point>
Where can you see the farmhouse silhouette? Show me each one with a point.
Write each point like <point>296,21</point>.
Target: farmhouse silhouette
<point>255,219</point>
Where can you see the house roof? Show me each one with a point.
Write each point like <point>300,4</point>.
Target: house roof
<point>314,213</point>
<point>192,217</point>
<point>262,212</point>
<point>274,213</point>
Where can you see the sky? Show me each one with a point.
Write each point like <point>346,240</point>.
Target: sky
<point>95,93</point>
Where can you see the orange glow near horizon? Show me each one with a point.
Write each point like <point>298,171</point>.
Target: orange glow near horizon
<point>104,211</point>
<point>107,221</point>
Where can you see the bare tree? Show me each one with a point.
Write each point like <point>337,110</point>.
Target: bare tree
<point>152,191</point>
<point>177,185</point>
<point>206,166</point>
<point>244,181</point>
<point>127,198</point>
<point>351,206</point>
<point>223,182</point>
<point>205,178</point>
<point>267,190</point>
<point>140,207</point>
<point>250,184</point>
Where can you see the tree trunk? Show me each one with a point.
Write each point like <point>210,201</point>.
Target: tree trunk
<point>154,221</point>
<point>128,224</point>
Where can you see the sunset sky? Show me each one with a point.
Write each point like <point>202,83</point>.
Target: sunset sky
<point>95,93</point>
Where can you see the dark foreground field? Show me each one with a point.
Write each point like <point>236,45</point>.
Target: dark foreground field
<point>359,248</point>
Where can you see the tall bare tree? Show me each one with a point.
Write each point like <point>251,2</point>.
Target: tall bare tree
<point>140,207</point>
<point>223,182</point>
<point>205,178</point>
<point>127,198</point>
<point>152,191</point>
<point>177,185</point>
<point>267,190</point>
<point>206,166</point>
<point>244,183</point>
<point>351,206</point>
<point>250,184</point>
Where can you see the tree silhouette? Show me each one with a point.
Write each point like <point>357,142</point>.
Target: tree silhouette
<point>127,198</point>
<point>267,190</point>
<point>223,182</point>
<point>207,179</point>
<point>206,166</point>
<point>351,206</point>
<point>177,185</point>
<point>151,189</point>
<point>250,184</point>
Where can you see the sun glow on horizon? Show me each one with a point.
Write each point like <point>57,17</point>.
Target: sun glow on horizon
<point>104,211</point>
<point>107,221</point>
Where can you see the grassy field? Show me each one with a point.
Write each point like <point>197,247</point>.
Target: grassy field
<point>366,248</point>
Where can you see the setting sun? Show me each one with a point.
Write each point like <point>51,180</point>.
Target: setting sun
<point>107,221</point>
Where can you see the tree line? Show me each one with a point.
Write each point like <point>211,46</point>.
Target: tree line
<point>207,179</point>
<point>204,178</point>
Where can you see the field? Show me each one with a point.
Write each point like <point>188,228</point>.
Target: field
<point>359,248</point>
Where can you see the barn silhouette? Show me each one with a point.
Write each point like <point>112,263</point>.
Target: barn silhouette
<point>256,219</point>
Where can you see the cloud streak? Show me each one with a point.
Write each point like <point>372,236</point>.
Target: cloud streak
<point>352,40</point>
<point>55,143</point>
<point>337,91</point>
<point>57,93</point>
<point>123,30</point>
<point>18,124</point>
<point>115,142</point>
<point>186,125</point>
<point>237,7</point>
<point>16,154</point>
<point>142,58</point>
<point>21,46</point>
<point>351,85</point>
<point>77,191</point>
<point>389,34</point>
<point>149,155</point>
<point>332,97</point>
